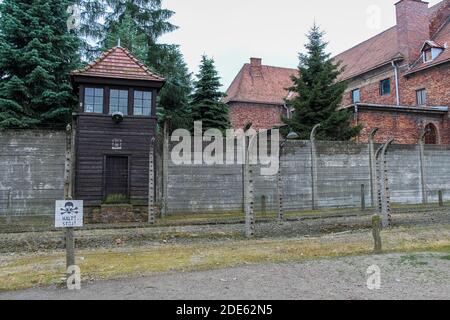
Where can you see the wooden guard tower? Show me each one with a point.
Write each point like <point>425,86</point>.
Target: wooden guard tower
<point>115,125</point>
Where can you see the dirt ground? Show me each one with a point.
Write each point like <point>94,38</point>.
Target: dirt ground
<point>403,276</point>
<point>140,236</point>
<point>302,258</point>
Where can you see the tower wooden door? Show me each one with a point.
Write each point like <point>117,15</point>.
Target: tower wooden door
<point>116,176</point>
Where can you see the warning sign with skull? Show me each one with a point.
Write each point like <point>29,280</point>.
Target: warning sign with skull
<point>69,214</point>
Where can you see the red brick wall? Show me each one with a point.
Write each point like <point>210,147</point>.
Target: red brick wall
<point>404,127</point>
<point>262,116</point>
<point>435,80</point>
<point>370,92</point>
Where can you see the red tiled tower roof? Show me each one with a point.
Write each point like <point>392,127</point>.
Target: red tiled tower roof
<point>118,63</point>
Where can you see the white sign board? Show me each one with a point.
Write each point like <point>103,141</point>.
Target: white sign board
<point>68,214</point>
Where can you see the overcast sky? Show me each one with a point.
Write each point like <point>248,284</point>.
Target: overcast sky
<point>232,31</point>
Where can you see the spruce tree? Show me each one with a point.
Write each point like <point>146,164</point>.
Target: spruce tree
<point>319,94</point>
<point>129,37</point>
<point>206,99</point>
<point>173,99</point>
<point>37,53</point>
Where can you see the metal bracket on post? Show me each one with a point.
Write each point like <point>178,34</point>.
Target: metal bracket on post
<point>314,166</point>
<point>384,206</point>
<point>372,166</point>
<point>151,183</point>
<point>249,191</point>
<point>422,166</point>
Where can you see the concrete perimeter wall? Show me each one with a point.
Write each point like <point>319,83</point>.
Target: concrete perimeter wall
<point>32,171</point>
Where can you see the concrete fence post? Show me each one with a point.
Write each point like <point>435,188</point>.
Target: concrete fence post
<point>151,183</point>
<point>372,167</point>
<point>441,198</point>
<point>423,182</point>
<point>165,169</point>
<point>249,191</point>
<point>9,207</point>
<point>363,197</point>
<point>314,194</point>
<point>383,191</point>
<point>280,188</point>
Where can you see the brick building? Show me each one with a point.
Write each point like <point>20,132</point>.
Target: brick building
<point>398,81</point>
<point>257,95</point>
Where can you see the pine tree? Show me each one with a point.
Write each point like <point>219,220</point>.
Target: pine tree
<point>148,17</point>
<point>129,37</point>
<point>319,94</point>
<point>37,53</point>
<point>139,25</point>
<point>173,99</point>
<point>206,100</point>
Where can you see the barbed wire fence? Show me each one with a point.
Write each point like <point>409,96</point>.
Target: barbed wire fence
<point>314,178</point>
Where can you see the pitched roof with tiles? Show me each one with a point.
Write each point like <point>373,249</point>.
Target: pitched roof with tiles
<point>380,49</point>
<point>442,39</point>
<point>267,85</point>
<point>118,63</point>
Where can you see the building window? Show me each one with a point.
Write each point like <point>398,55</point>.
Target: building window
<point>421,97</point>
<point>431,54</point>
<point>142,103</point>
<point>356,96</point>
<point>428,55</point>
<point>93,100</point>
<point>118,101</point>
<point>385,87</point>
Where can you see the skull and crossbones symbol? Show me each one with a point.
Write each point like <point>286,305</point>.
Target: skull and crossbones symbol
<point>69,208</point>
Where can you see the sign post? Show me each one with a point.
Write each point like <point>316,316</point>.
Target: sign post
<point>68,212</point>
<point>69,215</point>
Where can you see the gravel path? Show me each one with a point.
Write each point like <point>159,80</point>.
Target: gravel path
<point>403,276</point>
<point>107,238</point>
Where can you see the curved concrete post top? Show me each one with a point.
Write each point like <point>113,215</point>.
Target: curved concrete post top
<point>383,148</point>
<point>313,132</point>
<point>373,133</point>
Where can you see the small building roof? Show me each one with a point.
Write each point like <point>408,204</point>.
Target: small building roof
<point>257,83</point>
<point>118,63</point>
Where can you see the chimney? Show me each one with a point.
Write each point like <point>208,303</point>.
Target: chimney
<point>413,27</point>
<point>256,67</point>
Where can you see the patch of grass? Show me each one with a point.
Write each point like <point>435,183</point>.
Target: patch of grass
<point>116,198</point>
<point>31,270</point>
<point>445,258</point>
<point>412,260</point>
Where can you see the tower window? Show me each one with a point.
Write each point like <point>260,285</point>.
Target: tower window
<point>93,100</point>
<point>142,103</point>
<point>118,101</point>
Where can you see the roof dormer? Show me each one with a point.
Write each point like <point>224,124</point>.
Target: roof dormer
<point>431,50</point>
